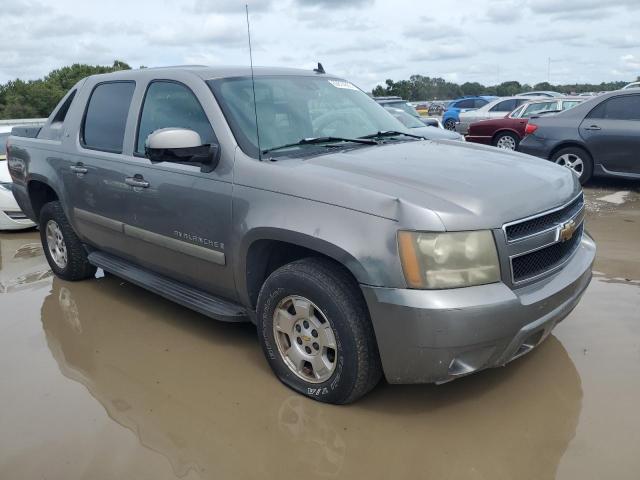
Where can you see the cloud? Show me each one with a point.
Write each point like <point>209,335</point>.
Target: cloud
<point>504,11</point>
<point>440,52</point>
<point>426,30</point>
<point>229,6</point>
<point>23,8</point>
<point>214,32</point>
<point>622,41</point>
<point>333,3</point>
<point>359,45</point>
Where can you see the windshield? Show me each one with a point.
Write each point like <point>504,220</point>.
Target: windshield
<point>292,108</point>
<point>3,144</point>
<point>404,106</point>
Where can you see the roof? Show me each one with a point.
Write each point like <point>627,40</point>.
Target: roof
<point>208,73</point>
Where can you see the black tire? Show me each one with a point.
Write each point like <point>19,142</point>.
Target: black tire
<point>450,124</point>
<point>77,266</point>
<point>583,155</point>
<point>506,135</point>
<point>333,290</point>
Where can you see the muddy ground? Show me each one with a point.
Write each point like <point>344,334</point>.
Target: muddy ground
<point>100,379</point>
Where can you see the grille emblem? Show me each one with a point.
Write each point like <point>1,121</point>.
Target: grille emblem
<point>567,230</point>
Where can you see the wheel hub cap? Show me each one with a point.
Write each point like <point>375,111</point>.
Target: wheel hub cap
<point>572,162</point>
<point>305,339</point>
<point>55,244</point>
<point>506,143</point>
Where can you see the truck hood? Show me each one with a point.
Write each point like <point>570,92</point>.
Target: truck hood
<point>466,186</point>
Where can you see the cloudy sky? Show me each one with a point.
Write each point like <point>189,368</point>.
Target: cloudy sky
<point>366,41</point>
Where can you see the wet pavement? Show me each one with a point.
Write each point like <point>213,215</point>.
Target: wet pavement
<point>101,379</point>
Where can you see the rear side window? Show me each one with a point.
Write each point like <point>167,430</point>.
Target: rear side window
<point>479,102</point>
<point>465,104</point>
<point>505,106</point>
<point>171,104</point>
<point>106,116</point>
<point>61,114</point>
<point>625,107</point>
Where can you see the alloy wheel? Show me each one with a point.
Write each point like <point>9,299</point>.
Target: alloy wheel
<point>56,245</point>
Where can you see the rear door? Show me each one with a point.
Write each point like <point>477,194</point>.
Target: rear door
<point>180,222</point>
<point>94,174</point>
<point>611,131</point>
<point>503,108</point>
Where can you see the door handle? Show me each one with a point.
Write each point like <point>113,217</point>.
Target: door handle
<point>79,168</point>
<point>136,181</point>
<point>593,127</point>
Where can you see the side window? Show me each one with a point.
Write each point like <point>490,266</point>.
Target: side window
<point>625,107</point>
<point>479,102</point>
<point>466,104</point>
<point>504,106</point>
<point>169,104</point>
<point>61,114</point>
<point>106,116</point>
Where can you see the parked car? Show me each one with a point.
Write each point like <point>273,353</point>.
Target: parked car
<point>507,132</point>
<point>421,107</point>
<point>416,127</point>
<point>498,108</point>
<point>11,217</point>
<point>398,102</point>
<point>437,108</point>
<point>451,114</point>
<point>599,137</point>
<point>355,248</point>
<point>631,85</point>
<point>541,93</point>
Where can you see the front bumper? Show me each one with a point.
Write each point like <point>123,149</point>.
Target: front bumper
<point>433,336</point>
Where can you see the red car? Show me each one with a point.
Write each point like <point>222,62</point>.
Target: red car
<point>507,132</point>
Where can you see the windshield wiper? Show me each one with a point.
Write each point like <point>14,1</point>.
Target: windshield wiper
<point>320,140</point>
<point>390,133</point>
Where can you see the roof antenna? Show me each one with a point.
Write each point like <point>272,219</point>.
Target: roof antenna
<point>319,68</point>
<point>253,84</point>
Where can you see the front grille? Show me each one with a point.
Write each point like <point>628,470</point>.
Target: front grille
<point>544,222</point>
<point>16,215</point>
<point>546,259</point>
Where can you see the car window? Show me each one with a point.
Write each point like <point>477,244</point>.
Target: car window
<point>466,104</point>
<point>404,106</point>
<point>534,108</point>
<point>625,107</point>
<point>567,104</point>
<point>406,119</point>
<point>171,104</point>
<point>505,106</point>
<point>517,113</point>
<point>106,116</point>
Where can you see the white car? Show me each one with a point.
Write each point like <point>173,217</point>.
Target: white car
<point>498,108</point>
<point>11,217</point>
<point>631,85</point>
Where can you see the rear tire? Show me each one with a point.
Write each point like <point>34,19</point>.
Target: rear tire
<point>577,160</point>
<point>62,247</point>
<point>506,141</point>
<point>337,335</point>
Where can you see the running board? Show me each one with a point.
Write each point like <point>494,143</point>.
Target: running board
<point>185,295</point>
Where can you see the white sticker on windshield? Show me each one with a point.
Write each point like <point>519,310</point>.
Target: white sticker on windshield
<point>343,84</point>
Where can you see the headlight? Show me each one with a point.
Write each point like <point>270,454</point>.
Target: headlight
<point>448,260</point>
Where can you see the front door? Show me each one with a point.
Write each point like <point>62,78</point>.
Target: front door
<point>612,133</point>
<point>180,216</point>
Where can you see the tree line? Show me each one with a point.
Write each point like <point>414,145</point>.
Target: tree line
<point>37,98</point>
<point>419,87</point>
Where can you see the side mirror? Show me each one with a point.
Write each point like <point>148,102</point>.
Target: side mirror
<point>181,145</point>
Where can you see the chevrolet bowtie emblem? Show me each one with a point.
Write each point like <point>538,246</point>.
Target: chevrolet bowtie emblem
<point>567,230</point>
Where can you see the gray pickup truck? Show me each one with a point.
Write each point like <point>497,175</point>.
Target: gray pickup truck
<point>296,202</point>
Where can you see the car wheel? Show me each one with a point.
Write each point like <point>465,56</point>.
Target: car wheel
<point>315,331</point>
<point>62,247</point>
<point>450,124</point>
<point>506,141</point>
<point>577,160</point>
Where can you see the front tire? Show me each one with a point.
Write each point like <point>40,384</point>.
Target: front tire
<point>315,331</point>
<point>62,247</point>
<point>577,160</point>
